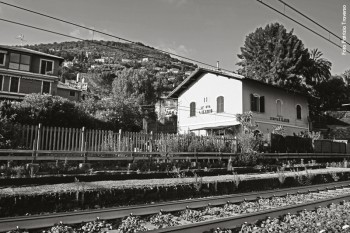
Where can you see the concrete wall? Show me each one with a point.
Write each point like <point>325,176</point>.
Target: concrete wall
<point>204,93</point>
<point>289,103</point>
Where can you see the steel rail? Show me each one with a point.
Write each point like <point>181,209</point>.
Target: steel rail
<point>47,220</point>
<point>47,155</point>
<point>236,221</point>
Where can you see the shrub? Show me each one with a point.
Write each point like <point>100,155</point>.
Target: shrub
<point>9,132</point>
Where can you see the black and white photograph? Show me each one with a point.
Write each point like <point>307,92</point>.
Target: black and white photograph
<point>174,116</point>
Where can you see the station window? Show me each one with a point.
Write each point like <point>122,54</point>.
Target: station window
<point>279,107</point>
<point>192,109</point>
<point>257,103</point>
<point>220,104</point>
<point>298,112</point>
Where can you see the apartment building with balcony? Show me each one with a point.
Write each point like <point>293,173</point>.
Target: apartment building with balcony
<point>24,71</point>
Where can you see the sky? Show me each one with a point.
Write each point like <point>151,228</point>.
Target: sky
<point>204,30</point>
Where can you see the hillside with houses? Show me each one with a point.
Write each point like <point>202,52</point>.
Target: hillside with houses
<point>104,59</point>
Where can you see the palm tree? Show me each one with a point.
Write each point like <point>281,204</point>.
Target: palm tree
<point>319,68</point>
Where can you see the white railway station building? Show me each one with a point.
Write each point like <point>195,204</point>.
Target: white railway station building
<point>208,101</point>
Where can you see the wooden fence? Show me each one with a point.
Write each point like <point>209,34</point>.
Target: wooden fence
<point>73,139</point>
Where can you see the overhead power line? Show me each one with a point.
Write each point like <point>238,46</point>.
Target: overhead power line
<point>78,38</point>
<point>110,35</point>
<point>307,17</point>
<point>297,22</point>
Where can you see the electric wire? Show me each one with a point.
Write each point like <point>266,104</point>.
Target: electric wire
<point>300,24</point>
<point>307,17</point>
<point>78,38</point>
<point>108,34</point>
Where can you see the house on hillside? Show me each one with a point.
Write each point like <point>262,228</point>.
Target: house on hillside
<point>208,101</point>
<point>25,71</point>
<point>68,91</point>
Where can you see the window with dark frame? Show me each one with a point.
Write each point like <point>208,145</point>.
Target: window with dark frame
<point>19,62</point>
<point>71,93</point>
<point>220,104</point>
<point>298,112</point>
<point>46,66</point>
<point>2,59</point>
<point>257,103</point>
<point>192,109</point>
<point>1,80</point>
<point>14,83</point>
<point>46,88</point>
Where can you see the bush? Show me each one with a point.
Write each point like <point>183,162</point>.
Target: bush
<point>48,110</point>
<point>9,132</point>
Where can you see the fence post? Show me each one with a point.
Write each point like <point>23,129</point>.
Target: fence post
<point>119,139</point>
<point>38,139</point>
<point>151,142</point>
<point>83,143</point>
<point>34,151</point>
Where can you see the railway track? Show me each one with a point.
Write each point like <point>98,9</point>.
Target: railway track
<point>47,220</point>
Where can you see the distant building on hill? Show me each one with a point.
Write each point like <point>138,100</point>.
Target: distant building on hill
<point>24,71</point>
<point>68,64</point>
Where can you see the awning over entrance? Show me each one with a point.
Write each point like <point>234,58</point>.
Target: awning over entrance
<point>213,125</point>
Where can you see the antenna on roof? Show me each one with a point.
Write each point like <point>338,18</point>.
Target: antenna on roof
<point>21,38</point>
<point>218,65</point>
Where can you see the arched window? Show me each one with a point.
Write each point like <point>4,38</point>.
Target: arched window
<point>298,112</point>
<point>192,109</point>
<point>220,104</point>
<point>279,107</point>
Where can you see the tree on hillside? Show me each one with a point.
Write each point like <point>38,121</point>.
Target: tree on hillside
<point>135,84</point>
<point>278,57</point>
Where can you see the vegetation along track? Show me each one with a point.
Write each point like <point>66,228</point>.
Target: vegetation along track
<point>47,220</point>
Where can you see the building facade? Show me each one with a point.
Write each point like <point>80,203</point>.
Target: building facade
<point>208,101</point>
<point>24,71</point>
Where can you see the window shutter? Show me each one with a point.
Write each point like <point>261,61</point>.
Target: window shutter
<point>262,103</point>
<point>222,104</point>
<point>252,102</point>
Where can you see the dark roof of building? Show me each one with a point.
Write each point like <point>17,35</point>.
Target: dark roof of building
<point>200,71</point>
<point>25,50</point>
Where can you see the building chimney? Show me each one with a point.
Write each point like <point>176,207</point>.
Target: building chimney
<point>217,65</point>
